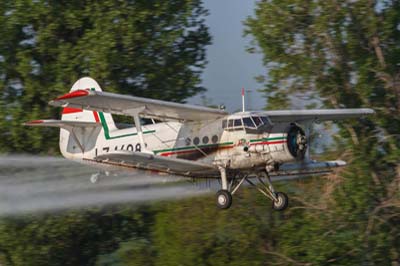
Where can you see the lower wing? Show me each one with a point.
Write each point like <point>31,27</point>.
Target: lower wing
<point>303,169</point>
<point>149,161</point>
<point>196,169</point>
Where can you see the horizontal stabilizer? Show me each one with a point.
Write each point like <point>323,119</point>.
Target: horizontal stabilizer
<point>61,123</point>
<point>149,161</point>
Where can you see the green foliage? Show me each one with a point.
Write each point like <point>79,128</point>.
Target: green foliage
<point>185,232</point>
<point>346,54</point>
<point>145,48</point>
<point>195,232</point>
<point>72,238</point>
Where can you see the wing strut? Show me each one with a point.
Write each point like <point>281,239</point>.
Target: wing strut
<point>72,131</point>
<point>135,113</point>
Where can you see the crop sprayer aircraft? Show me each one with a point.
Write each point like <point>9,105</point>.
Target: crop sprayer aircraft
<point>191,141</point>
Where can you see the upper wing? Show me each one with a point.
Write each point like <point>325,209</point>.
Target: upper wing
<point>125,105</point>
<point>164,164</point>
<point>315,114</point>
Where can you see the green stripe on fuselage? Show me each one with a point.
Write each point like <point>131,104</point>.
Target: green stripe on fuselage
<point>267,139</point>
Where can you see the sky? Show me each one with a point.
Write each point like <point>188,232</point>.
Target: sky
<point>229,66</point>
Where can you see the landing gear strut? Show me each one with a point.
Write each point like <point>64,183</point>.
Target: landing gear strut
<point>279,200</point>
<point>224,196</point>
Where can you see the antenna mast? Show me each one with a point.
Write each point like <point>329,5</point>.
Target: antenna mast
<point>243,108</point>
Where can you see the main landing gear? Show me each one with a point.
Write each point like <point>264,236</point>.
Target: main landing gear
<point>224,196</point>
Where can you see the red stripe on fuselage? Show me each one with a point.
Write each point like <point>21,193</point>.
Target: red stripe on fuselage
<point>96,116</point>
<point>268,142</point>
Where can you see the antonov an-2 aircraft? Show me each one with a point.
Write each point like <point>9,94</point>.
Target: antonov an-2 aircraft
<point>191,141</point>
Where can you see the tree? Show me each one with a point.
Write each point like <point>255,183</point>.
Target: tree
<point>70,238</point>
<point>345,53</point>
<point>145,48</point>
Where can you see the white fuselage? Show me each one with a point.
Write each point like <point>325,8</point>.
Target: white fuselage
<point>206,142</point>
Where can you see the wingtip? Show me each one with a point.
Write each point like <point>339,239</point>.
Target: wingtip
<point>341,163</point>
<point>74,94</point>
<point>32,123</point>
<point>369,111</point>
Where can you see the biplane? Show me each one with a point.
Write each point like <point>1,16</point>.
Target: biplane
<point>191,141</point>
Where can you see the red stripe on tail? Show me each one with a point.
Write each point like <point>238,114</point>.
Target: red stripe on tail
<point>96,116</point>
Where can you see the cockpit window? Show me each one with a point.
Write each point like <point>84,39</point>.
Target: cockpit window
<point>257,121</point>
<point>230,123</point>
<point>248,122</point>
<point>237,123</point>
<point>265,120</point>
<point>224,122</point>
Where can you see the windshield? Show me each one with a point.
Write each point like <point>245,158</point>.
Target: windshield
<point>265,120</point>
<point>257,120</point>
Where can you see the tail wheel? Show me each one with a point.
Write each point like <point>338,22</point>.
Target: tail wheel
<point>281,201</point>
<point>224,199</point>
<point>94,178</point>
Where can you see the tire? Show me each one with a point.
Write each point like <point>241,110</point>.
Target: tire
<point>282,202</point>
<point>224,199</point>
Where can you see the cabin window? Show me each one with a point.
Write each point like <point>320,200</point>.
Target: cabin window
<point>122,121</point>
<point>188,141</point>
<point>214,139</point>
<point>205,139</point>
<point>196,141</point>
<point>257,121</point>
<point>237,123</point>
<point>248,122</point>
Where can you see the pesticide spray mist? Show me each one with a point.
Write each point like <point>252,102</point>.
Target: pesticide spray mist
<point>31,184</point>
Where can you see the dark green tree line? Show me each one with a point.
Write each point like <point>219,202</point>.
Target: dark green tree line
<point>145,48</point>
<point>346,54</point>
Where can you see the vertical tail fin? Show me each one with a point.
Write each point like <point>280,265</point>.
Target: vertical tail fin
<point>68,113</point>
<point>74,144</point>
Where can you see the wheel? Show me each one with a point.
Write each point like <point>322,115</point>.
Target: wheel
<point>224,199</point>
<point>94,178</point>
<point>281,203</point>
